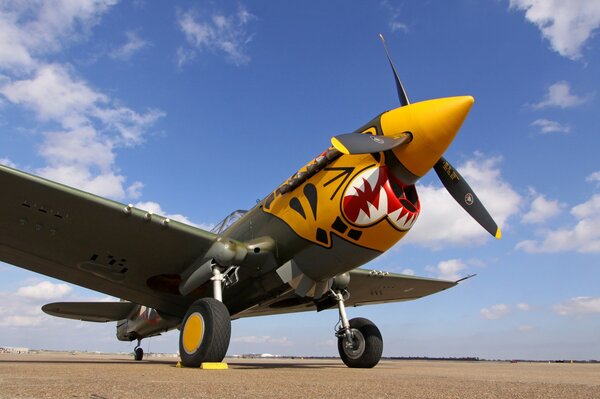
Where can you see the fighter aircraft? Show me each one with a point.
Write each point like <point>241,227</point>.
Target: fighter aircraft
<point>298,249</point>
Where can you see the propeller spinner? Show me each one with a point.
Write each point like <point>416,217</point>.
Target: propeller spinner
<point>424,132</point>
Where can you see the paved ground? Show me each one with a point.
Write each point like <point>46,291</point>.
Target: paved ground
<point>114,376</point>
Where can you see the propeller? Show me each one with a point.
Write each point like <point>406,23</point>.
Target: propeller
<point>356,143</point>
<point>401,92</point>
<point>456,185</point>
<point>459,189</point>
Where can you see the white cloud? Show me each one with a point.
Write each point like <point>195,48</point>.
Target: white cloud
<point>21,321</point>
<point>559,95</point>
<point>394,12</point>
<point>78,147</point>
<point>54,95</point>
<point>78,154</point>
<point>184,55</point>
<point>583,236</point>
<point>44,290</point>
<point>106,184</point>
<point>133,45</point>
<point>542,209</point>
<point>216,32</point>
<point>548,126</point>
<point>398,26</point>
<point>22,308</point>
<point>129,124</point>
<point>82,127</point>
<point>7,162</point>
<point>566,24</point>
<point>135,190</point>
<point>443,222</point>
<point>409,272</point>
<point>525,307</point>
<point>448,269</point>
<point>32,28</point>
<point>264,339</point>
<point>578,306</point>
<point>594,177</point>
<point>495,312</point>
<point>587,209</point>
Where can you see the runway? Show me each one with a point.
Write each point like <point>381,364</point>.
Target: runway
<point>52,375</point>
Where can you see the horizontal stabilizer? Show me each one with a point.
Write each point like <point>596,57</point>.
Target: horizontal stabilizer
<point>91,311</point>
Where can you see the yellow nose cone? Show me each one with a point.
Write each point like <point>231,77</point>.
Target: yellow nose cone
<point>433,123</point>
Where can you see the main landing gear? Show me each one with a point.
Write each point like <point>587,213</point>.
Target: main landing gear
<point>138,352</point>
<point>206,328</point>
<point>359,341</point>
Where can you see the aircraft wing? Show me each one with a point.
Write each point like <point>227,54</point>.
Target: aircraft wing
<point>367,287</point>
<point>93,242</point>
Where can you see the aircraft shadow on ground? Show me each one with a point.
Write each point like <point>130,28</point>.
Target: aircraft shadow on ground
<point>90,361</point>
<point>236,365</point>
<point>283,365</point>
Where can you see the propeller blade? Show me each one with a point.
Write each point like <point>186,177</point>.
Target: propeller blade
<point>463,194</point>
<point>358,143</point>
<point>401,92</point>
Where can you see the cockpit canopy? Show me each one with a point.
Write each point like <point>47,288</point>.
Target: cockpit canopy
<point>228,221</point>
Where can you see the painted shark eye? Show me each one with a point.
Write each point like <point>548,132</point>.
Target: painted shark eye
<point>373,196</point>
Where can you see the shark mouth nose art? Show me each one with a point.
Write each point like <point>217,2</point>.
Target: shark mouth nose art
<point>374,195</point>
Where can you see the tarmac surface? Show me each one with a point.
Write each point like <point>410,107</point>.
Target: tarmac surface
<point>61,375</point>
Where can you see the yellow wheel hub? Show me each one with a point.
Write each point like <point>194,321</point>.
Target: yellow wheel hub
<point>193,332</point>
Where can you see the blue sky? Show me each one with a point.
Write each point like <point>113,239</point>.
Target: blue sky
<point>194,109</point>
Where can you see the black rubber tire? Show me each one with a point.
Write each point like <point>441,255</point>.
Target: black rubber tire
<point>373,345</point>
<point>216,333</point>
<point>138,354</point>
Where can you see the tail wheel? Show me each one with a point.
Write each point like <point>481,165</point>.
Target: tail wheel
<point>205,333</point>
<point>138,354</point>
<point>366,347</point>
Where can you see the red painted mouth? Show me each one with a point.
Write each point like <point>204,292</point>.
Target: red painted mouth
<point>370,197</point>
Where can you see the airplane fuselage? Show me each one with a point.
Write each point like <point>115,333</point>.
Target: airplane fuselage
<point>333,215</point>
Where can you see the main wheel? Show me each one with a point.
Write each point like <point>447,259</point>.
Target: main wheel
<point>205,333</point>
<point>366,347</point>
<point>138,354</point>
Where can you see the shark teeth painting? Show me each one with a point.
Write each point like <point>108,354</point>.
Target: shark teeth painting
<point>370,198</point>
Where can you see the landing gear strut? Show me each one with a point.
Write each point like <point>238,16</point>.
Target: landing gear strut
<point>138,352</point>
<point>359,341</point>
<point>206,328</point>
